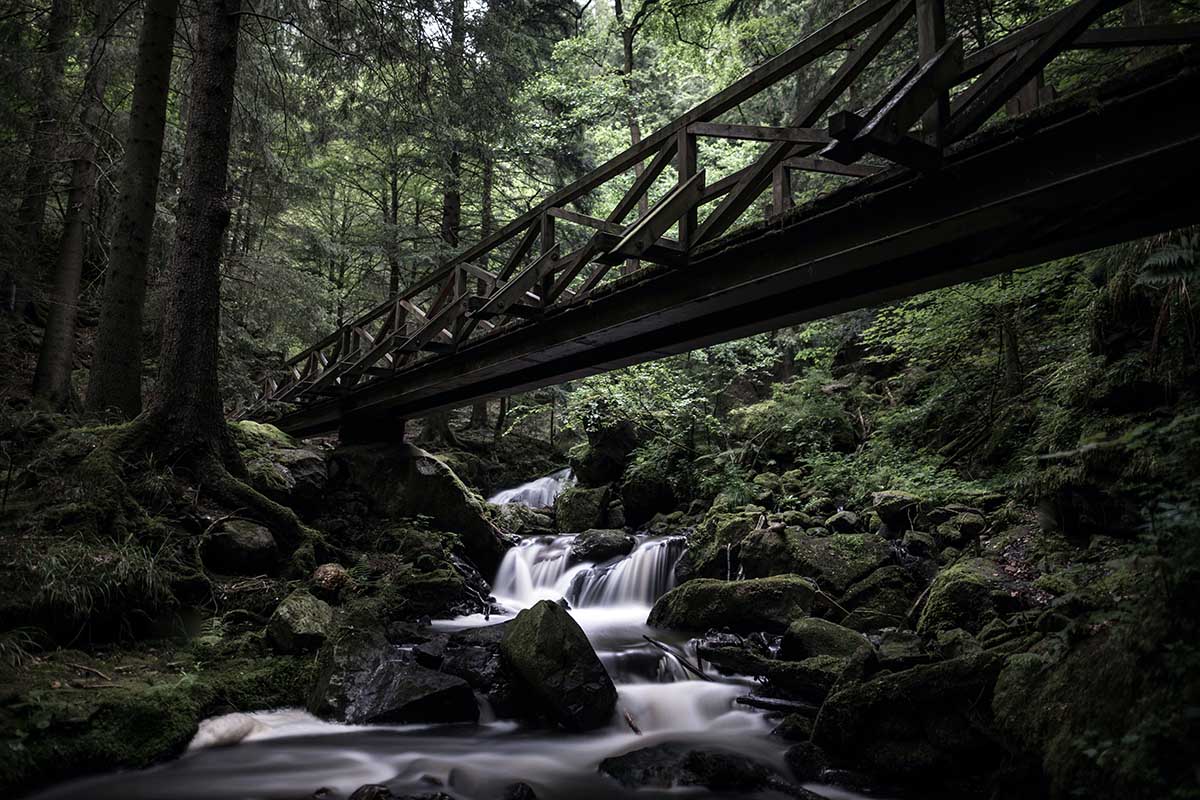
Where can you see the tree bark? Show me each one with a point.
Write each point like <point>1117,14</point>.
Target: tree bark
<point>41,151</point>
<point>187,397</point>
<point>52,377</point>
<point>116,375</point>
<point>487,222</point>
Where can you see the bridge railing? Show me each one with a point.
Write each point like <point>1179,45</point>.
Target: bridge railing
<point>942,97</point>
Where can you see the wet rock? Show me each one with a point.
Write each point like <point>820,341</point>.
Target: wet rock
<point>806,761</point>
<point>520,791</point>
<point>603,459</point>
<point>920,544</point>
<point>810,637</point>
<point>372,791</point>
<point>898,510</point>
<point>300,623</point>
<point>714,545</point>
<point>810,679</point>
<point>521,520</point>
<point>240,548</point>
<point>733,654</point>
<point>961,529</point>
<point>474,655</point>
<point>579,508</point>
<point>328,580</point>
<point>670,765</point>
<point>796,727</point>
<point>919,724</point>
<point>900,649</point>
<point>762,604</point>
<point>555,662</point>
<point>279,466</point>
<point>842,522</point>
<point>834,562</point>
<point>881,600</point>
<point>961,597</point>
<point>362,679</point>
<point>644,494</point>
<point>956,643</point>
<point>404,481</point>
<point>601,544</point>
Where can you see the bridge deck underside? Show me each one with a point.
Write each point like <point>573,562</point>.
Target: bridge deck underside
<point>1120,162</point>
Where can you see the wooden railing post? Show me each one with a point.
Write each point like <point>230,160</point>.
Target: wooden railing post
<point>686,155</point>
<point>781,189</point>
<point>547,244</point>
<point>931,37</point>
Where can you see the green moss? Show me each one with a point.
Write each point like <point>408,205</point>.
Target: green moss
<point>768,604</point>
<point>834,562</point>
<point>707,543</point>
<point>960,597</point>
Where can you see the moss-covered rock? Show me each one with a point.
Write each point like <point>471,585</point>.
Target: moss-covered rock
<point>961,529</point>
<point>241,547</point>
<point>601,544</point>
<point>834,562</point>
<point>881,600</point>
<point>579,508</point>
<point>279,466</point>
<point>842,522</point>
<point>811,636</point>
<point>961,597</point>
<point>602,459</point>
<point>644,493</point>
<point>670,765</point>
<point>925,725</point>
<point>763,604</point>
<point>714,545</point>
<point>897,510</point>
<point>545,647</point>
<point>300,623</point>
<point>809,679</point>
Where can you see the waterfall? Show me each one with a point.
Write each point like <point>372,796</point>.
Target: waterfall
<point>540,493</point>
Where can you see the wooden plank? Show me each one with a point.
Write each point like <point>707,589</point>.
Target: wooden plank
<point>572,265</point>
<point>754,180</point>
<point>685,166</point>
<point>435,327</point>
<point>661,216</point>
<point>1027,64</point>
<point>886,132</point>
<point>642,183</point>
<point>585,220</point>
<point>832,167</point>
<point>760,133</point>
<point>479,272</point>
<point>931,38</point>
<point>781,190</point>
<point>476,304</point>
<point>1138,36</point>
<point>519,253</point>
<point>516,288</point>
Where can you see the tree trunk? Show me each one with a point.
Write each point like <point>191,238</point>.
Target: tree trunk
<point>116,375</point>
<point>1014,371</point>
<point>628,33</point>
<point>501,415</point>
<point>487,221</point>
<point>52,378</point>
<point>41,150</point>
<point>393,233</point>
<point>187,396</point>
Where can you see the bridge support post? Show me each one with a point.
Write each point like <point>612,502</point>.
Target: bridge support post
<point>931,37</point>
<point>371,429</point>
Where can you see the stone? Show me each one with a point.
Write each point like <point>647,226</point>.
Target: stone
<point>714,545</point>
<point>918,725</point>
<point>806,761</point>
<point>810,637</point>
<point>810,679</point>
<point>842,522</point>
<point>645,493</point>
<point>921,545</point>
<point>519,791</point>
<point>603,458</point>
<point>552,657</point>
<point>961,529</point>
<point>240,548</point>
<point>601,544</point>
<point>761,604</point>
<point>956,643</point>
<point>669,765</point>
<point>328,581</point>
<point>372,791</point>
<point>795,728</point>
<point>733,654</point>
<point>881,600</point>
<point>898,510</point>
<point>279,466</point>
<point>900,649</point>
<point>961,597</point>
<point>579,508</point>
<point>834,562</point>
<point>300,624</point>
<point>521,520</point>
<point>364,679</point>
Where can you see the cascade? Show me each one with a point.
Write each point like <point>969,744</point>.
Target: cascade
<point>539,493</point>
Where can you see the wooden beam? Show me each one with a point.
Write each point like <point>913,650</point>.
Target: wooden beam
<point>572,265</point>
<point>436,326</point>
<point>650,228</point>
<point>931,38</point>
<point>1029,62</point>
<point>519,253</point>
<point>476,308</point>
<point>685,166</point>
<point>756,176</point>
<point>832,167</point>
<point>760,133</point>
<point>642,183</point>
<point>585,220</point>
<point>1138,36</point>
<point>516,288</point>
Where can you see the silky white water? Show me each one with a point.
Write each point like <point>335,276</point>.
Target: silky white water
<point>288,754</point>
<point>538,493</point>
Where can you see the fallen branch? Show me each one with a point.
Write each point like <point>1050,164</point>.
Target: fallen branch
<point>92,670</point>
<point>632,725</point>
<point>690,667</point>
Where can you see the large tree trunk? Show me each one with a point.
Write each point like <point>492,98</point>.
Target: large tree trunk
<point>52,378</point>
<point>187,399</point>
<point>628,34</point>
<point>116,376</point>
<point>42,147</point>
<point>487,222</point>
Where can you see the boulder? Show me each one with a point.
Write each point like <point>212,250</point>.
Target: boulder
<point>300,623</point>
<point>762,604</point>
<point>733,654</point>
<point>921,545</point>
<point>806,761</point>
<point>834,562</point>
<point>579,508</point>
<point>474,655</point>
<point>603,458</point>
<point>898,510</point>
<point>961,529</point>
<point>644,494</point>
<point>670,765</point>
<point>328,580</point>
<point>601,544</point>
<point>714,545</point>
<point>521,520</point>
<point>364,679</point>
<point>900,649</point>
<point>372,791</point>
<point>880,600</point>
<point>810,679</point>
<point>553,659</point>
<point>519,791</point>
<point>279,466</point>
<point>842,522</point>
<point>402,480</point>
<point>919,725</point>
<point>241,547</point>
<point>962,596</point>
<point>810,637</point>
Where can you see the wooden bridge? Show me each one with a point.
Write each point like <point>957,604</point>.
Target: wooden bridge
<point>933,198</point>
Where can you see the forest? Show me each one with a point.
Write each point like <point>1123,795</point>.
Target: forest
<point>518,399</point>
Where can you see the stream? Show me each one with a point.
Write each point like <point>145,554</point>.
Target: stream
<point>287,754</point>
